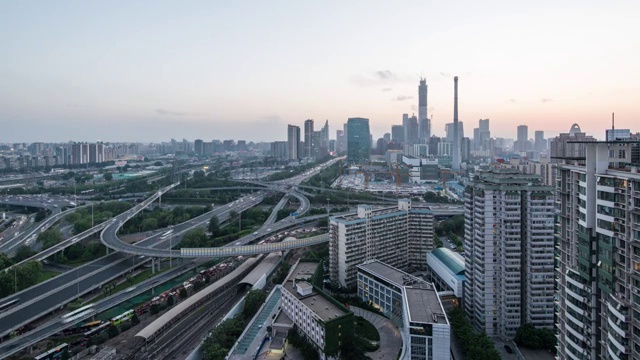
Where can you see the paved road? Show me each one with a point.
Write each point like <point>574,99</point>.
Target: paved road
<point>29,236</point>
<point>390,338</point>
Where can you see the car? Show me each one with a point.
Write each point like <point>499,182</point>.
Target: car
<point>508,349</point>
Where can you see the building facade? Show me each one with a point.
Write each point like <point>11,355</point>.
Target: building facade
<point>400,236</point>
<point>598,252</point>
<point>412,304</point>
<point>508,251</point>
<point>358,140</point>
<point>324,321</point>
<point>293,142</point>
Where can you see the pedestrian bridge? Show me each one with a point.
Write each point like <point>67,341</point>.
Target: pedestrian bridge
<point>246,250</point>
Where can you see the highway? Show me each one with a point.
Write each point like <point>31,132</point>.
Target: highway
<point>29,236</point>
<point>54,326</point>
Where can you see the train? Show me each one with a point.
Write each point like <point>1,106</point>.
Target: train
<point>205,276</point>
<point>57,352</point>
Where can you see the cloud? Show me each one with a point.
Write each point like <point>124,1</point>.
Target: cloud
<point>387,89</point>
<point>414,107</point>
<point>402,98</point>
<point>170,112</point>
<point>512,100</point>
<point>544,100</point>
<point>385,75</point>
<point>446,75</point>
<point>430,108</point>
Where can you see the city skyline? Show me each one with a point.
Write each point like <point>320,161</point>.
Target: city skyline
<point>148,73</point>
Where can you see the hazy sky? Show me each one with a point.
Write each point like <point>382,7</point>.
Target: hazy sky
<point>153,70</point>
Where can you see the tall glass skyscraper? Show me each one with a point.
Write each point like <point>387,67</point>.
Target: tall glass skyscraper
<point>358,140</point>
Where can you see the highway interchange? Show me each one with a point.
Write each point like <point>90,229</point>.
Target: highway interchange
<point>48,296</point>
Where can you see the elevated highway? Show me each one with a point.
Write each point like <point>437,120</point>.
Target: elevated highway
<point>55,326</point>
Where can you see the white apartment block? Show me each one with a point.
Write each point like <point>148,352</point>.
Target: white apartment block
<point>317,316</point>
<point>508,251</point>
<point>598,253</point>
<point>399,236</point>
<point>412,304</point>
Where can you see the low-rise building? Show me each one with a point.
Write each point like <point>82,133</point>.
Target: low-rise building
<point>412,304</point>
<point>445,268</point>
<point>324,321</point>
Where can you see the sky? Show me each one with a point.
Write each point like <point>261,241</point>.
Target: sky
<point>154,70</point>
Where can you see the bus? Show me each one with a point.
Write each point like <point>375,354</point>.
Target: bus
<point>95,332</point>
<point>8,305</point>
<point>82,328</point>
<point>122,317</point>
<point>56,353</point>
<point>77,311</point>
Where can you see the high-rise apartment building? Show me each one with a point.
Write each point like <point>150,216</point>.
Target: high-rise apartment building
<point>308,138</point>
<point>341,141</point>
<point>598,254</point>
<point>540,141</point>
<point>198,147</point>
<point>400,236</point>
<point>508,251</point>
<point>569,145</point>
<point>293,141</point>
<point>424,123</point>
<point>358,140</point>
<point>522,142</point>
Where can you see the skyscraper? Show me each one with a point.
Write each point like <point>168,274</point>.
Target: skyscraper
<point>448,129</point>
<point>455,161</point>
<point>198,147</point>
<point>424,124</point>
<point>565,145</point>
<point>397,133</point>
<point>523,138</point>
<point>308,138</point>
<point>358,140</point>
<point>411,128</point>
<point>541,142</point>
<point>509,252</point>
<point>293,141</point>
<point>597,252</point>
<point>341,141</point>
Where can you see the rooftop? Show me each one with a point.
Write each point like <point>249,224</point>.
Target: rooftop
<point>424,304</point>
<point>452,260</point>
<point>324,308</point>
<point>390,273</point>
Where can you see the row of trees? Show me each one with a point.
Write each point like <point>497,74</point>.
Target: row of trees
<point>222,338</point>
<point>530,337</point>
<point>453,225</point>
<point>81,218</point>
<point>223,235</point>
<point>434,197</point>
<point>324,178</point>
<point>192,196</point>
<point>476,346</point>
<point>159,218</point>
<point>20,278</point>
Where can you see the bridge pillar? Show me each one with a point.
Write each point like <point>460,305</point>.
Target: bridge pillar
<point>30,350</point>
<point>153,265</point>
<point>159,263</point>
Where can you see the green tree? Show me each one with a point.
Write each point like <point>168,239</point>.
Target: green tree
<point>82,225</point>
<point>108,176</point>
<point>214,226</point>
<point>5,261</point>
<point>252,303</point>
<point>170,301</point>
<point>157,163</point>
<point>23,252</point>
<point>41,215</point>
<point>50,238</point>
<point>193,239</point>
<point>149,224</point>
